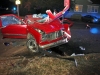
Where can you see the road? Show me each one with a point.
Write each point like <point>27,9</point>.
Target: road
<point>82,37</point>
<point>86,36</point>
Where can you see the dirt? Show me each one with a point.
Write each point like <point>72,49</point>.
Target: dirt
<point>16,60</point>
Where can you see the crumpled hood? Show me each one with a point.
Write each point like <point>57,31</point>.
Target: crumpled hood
<point>54,24</point>
<point>47,28</point>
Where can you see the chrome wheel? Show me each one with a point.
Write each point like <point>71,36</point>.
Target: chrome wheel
<point>32,45</point>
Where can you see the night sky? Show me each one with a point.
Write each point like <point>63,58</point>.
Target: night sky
<point>96,1</point>
<point>6,3</point>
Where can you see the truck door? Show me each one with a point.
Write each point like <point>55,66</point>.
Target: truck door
<point>13,27</point>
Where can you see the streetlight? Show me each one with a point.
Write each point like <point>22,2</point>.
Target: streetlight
<point>17,3</point>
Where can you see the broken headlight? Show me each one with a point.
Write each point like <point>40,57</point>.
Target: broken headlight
<point>43,34</point>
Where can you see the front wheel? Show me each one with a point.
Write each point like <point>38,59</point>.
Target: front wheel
<point>32,45</point>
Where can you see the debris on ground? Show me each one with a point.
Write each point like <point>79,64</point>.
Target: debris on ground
<point>77,54</point>
<point>81,47</point>
<point>88,26</point>
<point>13,43</point>
<point>6,43</point>
<point>75,63</point>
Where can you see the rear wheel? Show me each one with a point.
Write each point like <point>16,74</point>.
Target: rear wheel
<point>32,45</point>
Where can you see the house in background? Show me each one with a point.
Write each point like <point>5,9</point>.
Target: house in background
<point>80,8</point>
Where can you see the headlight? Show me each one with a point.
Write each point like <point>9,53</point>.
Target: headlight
<point>95,20</point>
<point>43,34</point>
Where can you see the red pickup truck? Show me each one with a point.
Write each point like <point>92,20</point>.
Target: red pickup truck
<point>40,32</point>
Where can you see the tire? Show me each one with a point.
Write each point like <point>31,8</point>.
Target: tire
<point>32,45</point>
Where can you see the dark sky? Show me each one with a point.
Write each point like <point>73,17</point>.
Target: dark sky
<point>96,1</point>
<point>6,3</point>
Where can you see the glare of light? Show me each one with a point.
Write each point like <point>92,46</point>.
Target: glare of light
<point>95,20</point>
<point>14,8</point>
<point>94,30</point>
<point>7,8</point>
<point>17,2</point>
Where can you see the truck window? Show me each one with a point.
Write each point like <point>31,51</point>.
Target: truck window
<point>7,20</point>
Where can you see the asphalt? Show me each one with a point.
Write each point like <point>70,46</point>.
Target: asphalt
<point>83,41</point>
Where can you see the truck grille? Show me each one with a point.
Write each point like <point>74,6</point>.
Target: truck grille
<point>54,35</point>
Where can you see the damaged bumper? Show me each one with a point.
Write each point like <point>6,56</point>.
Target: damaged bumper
<point>54,44</point>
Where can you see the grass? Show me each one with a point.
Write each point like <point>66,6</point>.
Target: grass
<point>87,65</point>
